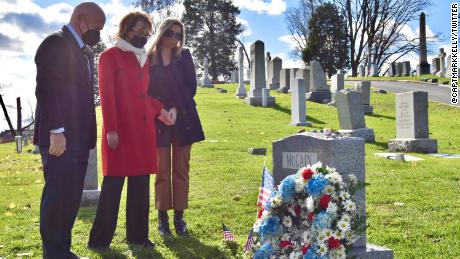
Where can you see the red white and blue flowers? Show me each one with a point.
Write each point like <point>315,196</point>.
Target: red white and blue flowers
<point>313,214</point>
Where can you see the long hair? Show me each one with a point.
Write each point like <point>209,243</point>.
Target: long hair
<point>166,25</point>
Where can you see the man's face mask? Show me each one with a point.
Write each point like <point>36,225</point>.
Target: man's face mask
<point>91,37</point>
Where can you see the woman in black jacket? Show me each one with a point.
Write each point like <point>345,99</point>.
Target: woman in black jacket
<point>173,82</point>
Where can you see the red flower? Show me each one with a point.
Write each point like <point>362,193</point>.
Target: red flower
<point>259,214</point>
<point>284,244</point>
<point>324,201</point>
<point>297,210</point>
<point>307,173</point>
<point>311,215</point>
<point>305,248</point>
<point>333,243</point>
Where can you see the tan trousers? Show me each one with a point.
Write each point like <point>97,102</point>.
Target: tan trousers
<point>171,186</point>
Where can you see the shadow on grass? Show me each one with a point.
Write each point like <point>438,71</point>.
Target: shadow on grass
<point>188,247</point>
<point>110,253</point>
<point>381,145</point>
<point>139,252</point>
<point>381,116</point>
<point>87,214</point>
<point>288,111</point>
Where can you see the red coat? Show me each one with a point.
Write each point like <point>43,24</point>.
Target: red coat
<point>128,110</point>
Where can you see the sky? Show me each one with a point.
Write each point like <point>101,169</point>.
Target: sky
<point>25,23</point>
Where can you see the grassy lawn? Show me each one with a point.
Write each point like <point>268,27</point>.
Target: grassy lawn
<point>412,208</point>
<point>441,80</point>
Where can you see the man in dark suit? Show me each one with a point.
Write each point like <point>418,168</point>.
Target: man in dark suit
<point>65,128</point>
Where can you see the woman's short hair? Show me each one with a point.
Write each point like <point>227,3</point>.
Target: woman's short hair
<point>129,21</point>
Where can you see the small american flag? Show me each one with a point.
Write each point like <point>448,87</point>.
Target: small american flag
<point>227,234</point>
<point>266,188</point>
<point>249,242</point>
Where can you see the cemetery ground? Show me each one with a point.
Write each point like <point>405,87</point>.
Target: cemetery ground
<point>412,208</point>
<point>441,80</point>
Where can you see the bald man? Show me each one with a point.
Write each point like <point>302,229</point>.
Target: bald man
<point>65,127</point>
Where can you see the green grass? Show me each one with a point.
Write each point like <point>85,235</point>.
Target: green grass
<point>441,80</point>
<point>225,181</point>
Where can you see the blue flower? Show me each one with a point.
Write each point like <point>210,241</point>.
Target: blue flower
<point>310,254</point>
<point>264,252</point>
<point>270,227</point>
<point>316,185</point>
<point>322,220</point>
<point>287,188</point>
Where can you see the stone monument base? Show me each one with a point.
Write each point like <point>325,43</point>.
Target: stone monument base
<point>274,86</point>
<point>423,68</point>
<point>364,133</point>
<point>370,252</point>
<point>283,90</point>
<point>307,123</point>
<point>241,96</point>
<point>90,198</point>
<point>413,145</point>
<point>318,96</point>
<point>368,109</point>
<point>207,83</point>
<point>257,101</point>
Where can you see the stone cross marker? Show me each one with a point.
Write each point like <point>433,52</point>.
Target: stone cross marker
<point>442,62</point>
<point>346,154</point>
<point>351,115</point>
<point>298,104</point>
<point>258,81</point>
<point>241,91</point>
<point>412,134</point>
<point>91,190</point>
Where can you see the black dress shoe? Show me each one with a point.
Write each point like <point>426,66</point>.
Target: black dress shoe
<point>98,248</point>
<point>146,244</point>
<point>181,226</point>
<point>163,228</point>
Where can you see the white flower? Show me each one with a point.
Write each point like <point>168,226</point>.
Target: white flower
<point>316,166</point>
<point>327,233</point>
<point>343,225</point>
<point>353,178</point>
<point>339,234</point>
<point>287,221</point>
<point>292,211</point>
<point>277,200</point>
<point>349,205</point>
<point>256,226</point>
<point>322,249</point>
<point>284,257</point>
<point>331,169</point>
<point>285,237</point>
<point>334,177</point>
<point>306,236</point>
<point>306,223</point>
<point>332,208</point>
<point>344,195</point>
<point>310,204</point>
<point>329,189</point>
<point>295,255</point>
<point>299,184</point>
<point>346,217</point>
<point>321,237</point>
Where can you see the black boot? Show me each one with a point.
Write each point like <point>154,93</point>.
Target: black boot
<point>163,223</point>
<point>179,223</point>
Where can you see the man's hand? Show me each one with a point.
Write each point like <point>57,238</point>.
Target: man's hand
<point>57,144</point>
<point>112,139</point>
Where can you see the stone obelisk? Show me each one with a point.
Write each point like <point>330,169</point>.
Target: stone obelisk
<point>423,67</point>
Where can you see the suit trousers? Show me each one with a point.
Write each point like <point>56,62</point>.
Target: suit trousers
<point>172,181</point>
<point>64,180</point>
<point>137,210</point>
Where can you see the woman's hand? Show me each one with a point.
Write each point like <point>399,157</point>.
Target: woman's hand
<point>173,115</point>
<point>164,117</point>
<point>112,139</point>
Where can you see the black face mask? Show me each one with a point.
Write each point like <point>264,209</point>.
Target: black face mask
<point>91,37</point>
<point>138,41</point>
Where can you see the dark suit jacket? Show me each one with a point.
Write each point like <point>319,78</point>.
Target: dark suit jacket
<point>187,129</point>
<point>65,92</point>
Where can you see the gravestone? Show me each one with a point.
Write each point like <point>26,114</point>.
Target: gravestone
<point>400,68</point>
<point>442,63</point>
<point>319,92</point>
<point>392,69</point>
<point>449,68</point>
<point>406,68</point>
<point>298,104</point>
<point>275,69</point>
<point>285,80</point>
<point>351,115</point>
<point>267,66</point>
<point>412,134</point>
<point>337,84</point>
<point>206,80</point>
<point>305,74</point>
<point>423,67</point>
<point>346,155</point>
<point>241,91</point>
<point>258,82</point>
<point>91,190</point>
<point>436,65</point>
<point>361,71</point>
<point>235,76</point>
<point>373,70</point>
<point>364,88</point>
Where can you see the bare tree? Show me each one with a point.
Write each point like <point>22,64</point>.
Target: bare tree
<point>160,9</point>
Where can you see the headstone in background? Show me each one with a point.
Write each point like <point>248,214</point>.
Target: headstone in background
<point>351,115</point>
<point>18,140</point>
<point>298,103</point>
<point>275,69</point>
<point>285,80</point>
<point>305,74</point>
<point>91,190</point>
<point>361,70</point>
<point>392,69</point>
<point>258,82</point>
<point>319,92</point>
<point>406,68</point>
<point>364,88</point>
<point>400,68</point>
<point>337,84</point>
<point>241,91</point>
<point>206,80</point>
<point>442,63</point>
<point>374,71</point>
<point>412,134</point>
<point>265,96</point>
<point>436,65</point>
<point>346,155</point>
<point>449,68</point>
<point>267,66</point>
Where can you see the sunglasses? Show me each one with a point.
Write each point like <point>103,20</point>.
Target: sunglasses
<point>171,34</point>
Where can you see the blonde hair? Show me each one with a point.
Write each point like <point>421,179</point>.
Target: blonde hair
<point>164,26</point>
<point>128,22</point>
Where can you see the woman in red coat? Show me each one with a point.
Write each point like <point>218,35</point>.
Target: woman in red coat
<point>128,134</point>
